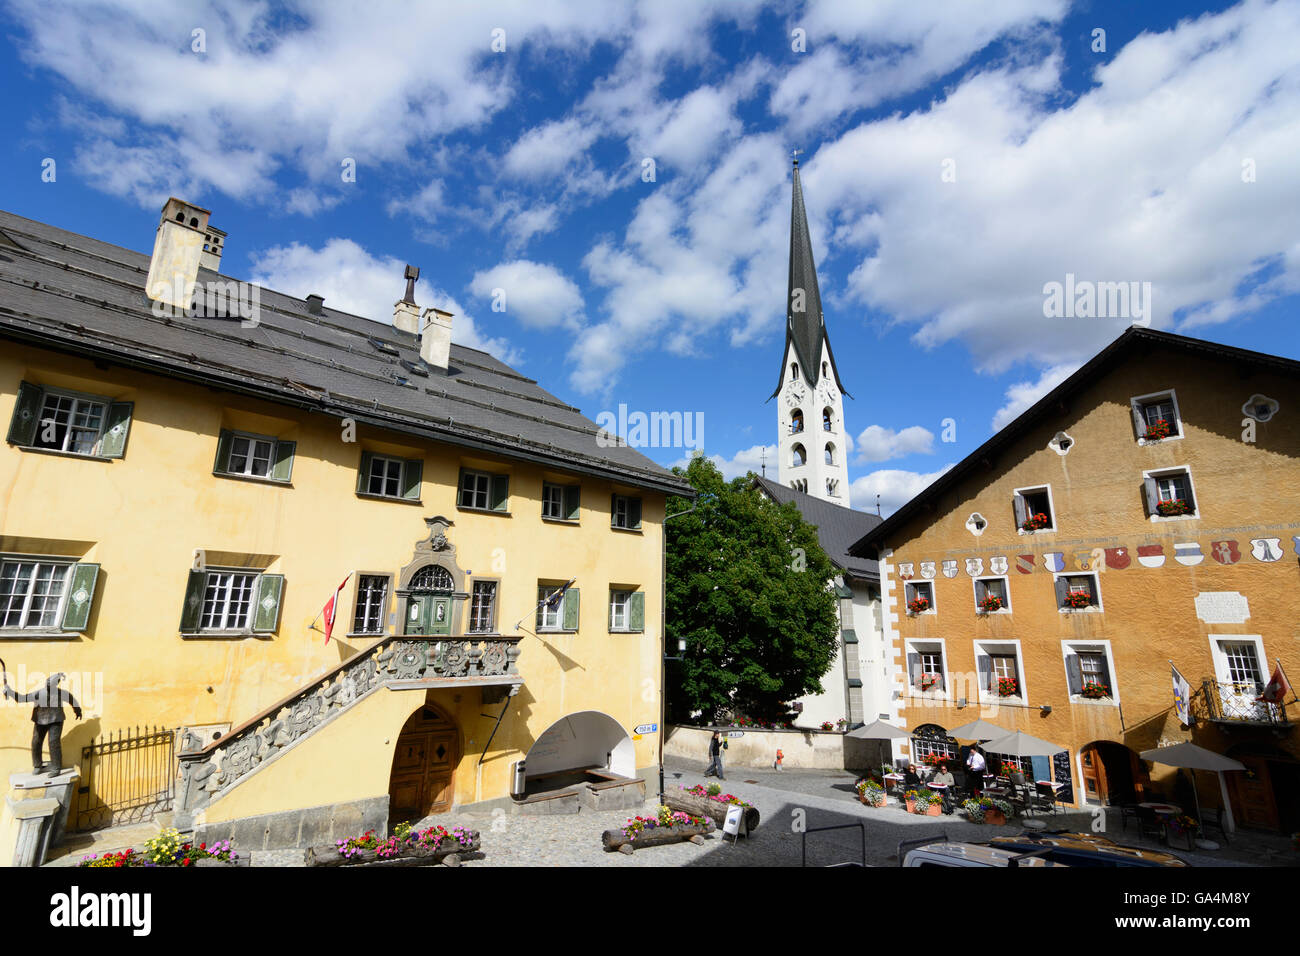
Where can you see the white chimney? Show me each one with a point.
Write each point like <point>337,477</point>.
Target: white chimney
<point>214,243</point>
<point>435,340</point>
<point>406,314</point>
<point>177,249</point>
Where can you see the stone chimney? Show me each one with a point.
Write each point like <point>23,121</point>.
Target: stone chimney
<point>214,243</point>
<point>406,314</point>
<point>178,247</point>
<point>315,303</point>
<point>435,340</point>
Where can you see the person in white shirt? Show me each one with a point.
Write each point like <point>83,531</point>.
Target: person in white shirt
<point>975,765</point>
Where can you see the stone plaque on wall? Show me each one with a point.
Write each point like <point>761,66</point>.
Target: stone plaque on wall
<point>1222,607</point>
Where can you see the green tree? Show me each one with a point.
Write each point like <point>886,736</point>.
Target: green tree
<point>747,590</point>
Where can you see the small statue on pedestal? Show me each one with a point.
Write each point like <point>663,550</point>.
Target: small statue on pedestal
<point>47,720</point>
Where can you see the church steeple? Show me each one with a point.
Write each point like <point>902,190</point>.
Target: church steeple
<point>805,326</point>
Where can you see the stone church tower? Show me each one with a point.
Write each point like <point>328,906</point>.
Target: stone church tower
<point>811,451</point>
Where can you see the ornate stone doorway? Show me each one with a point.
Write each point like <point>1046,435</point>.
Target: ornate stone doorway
<point>424,765</point>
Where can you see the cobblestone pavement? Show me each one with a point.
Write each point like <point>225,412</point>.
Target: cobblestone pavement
<point>787,801</point>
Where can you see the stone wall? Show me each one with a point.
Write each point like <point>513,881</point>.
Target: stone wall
<point>804,749</point>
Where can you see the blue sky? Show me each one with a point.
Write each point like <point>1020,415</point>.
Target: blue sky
<point>957,157</point>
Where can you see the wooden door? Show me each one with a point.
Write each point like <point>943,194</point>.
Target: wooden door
<point>1252,798</point>
<point>424,763</point>
<point>428,614</point>
<point>1094,775</point>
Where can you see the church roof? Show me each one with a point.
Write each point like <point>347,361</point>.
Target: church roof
<point>838,527</point>
<point>805,329</point>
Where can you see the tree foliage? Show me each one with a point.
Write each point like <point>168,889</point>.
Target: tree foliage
<point>747,589</point>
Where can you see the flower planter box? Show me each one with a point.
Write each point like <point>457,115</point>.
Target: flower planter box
<point>934,809</point>
<point>659,836</point>
<point>878,801</point>
<point>328,855</point>
<point>715,810</point>
<point>995,818</point>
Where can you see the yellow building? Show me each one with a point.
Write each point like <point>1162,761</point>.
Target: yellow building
<point>180,495</point>
<point>1047,581</point>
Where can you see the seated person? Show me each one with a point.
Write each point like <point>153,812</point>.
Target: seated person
<point>910,779</point>
<point>943,776</point>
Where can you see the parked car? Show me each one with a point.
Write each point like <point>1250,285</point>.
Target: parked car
<point>1031,848</point>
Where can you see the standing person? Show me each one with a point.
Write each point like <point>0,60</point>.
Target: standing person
<point>975,765</point>
<point>715,756</point>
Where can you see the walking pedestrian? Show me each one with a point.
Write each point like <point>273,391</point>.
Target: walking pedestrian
<point>716,746</point>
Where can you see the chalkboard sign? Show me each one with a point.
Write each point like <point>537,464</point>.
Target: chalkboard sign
<point>1061,774</point>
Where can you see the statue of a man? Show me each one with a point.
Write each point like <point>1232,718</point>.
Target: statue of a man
<point>47,720</point>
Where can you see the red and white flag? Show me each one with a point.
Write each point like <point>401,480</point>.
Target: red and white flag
<point>1277,688</point>
<point>331,608</point>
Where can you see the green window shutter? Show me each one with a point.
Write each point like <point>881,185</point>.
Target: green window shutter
<point>116,427</point>
<point>282,469</point>
<point>412,473</point>
<point>363,476</point>
<point>571,609</point>
<point>222,463</point>
<point>634,512</point>
<point>850,636</point>
<point>270,587</point>
<point>460,489</point>
<point>81,594</point>
<point>27,412</point>
<point>613,510</point>
<point>499,497</point>
<point>572,496</point>
<point>192,609</point>
<point>636,612</point>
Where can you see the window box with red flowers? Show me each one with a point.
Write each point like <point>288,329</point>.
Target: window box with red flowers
<point>1094,690</point>
<point>1036,522</point>
<point>1158,430</point>
<point>918,606</point>
<point>1174,508</point>
<point>928,682</point>
<point>990,604</point>
<point>1078,600</point>
<point>1008,687</point>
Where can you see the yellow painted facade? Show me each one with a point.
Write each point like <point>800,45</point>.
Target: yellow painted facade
<point>1246,479</point>
<point>141,518</point>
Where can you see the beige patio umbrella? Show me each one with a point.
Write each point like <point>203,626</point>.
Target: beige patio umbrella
<point>978,730</point>
<point>881,731</point>
<point>1191,757</point>
<point>1021,744</point>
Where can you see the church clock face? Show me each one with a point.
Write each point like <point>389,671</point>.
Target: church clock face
<point>828,393</point>
<point>794,397</point>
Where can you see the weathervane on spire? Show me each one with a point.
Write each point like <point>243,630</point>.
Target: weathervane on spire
<point>763,461</point>
<point>795,153</point>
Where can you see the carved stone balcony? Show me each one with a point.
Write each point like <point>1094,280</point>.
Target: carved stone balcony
<point>398,662</point>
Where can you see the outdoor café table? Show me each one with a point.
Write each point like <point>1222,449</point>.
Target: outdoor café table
<point>895,778</point>
<point>937,786</point>
<point>1049,783</point>
<point>1164,809</point>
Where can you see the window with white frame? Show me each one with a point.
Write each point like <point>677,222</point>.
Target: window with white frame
<point>1078,592</point>
<point>1156,417</point>
<point>625,512</point>
<point>32,593</point>
<point>372,602</point>
<point>385,476</point>
<point>552,501</point>
<point>1032,508</point>
<point>1000,674</point>
<point>557,609</point>
<point>919,597</point>
<point>482,607</point>
<point>250,456</point>
<point>925,670</point>
<point>1169,493</point>
<point>992,595</point>
<point>1240,677</point>
<point>228,601</point>
<point>1088,672</point>
<point>619,606</point>
<point>70,423</point>
<point>931,744</point>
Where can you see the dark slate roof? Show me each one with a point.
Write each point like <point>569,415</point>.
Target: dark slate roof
<point>74,294</point>
<point>837,527</point>
<point>806,330</point>
<point>1132,345</point>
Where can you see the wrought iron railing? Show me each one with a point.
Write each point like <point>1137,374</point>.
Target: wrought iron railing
<point>211,771</point>
<point>1239,701</point>
<point>126,777</point>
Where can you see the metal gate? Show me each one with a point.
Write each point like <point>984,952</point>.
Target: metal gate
<point>126,778</point>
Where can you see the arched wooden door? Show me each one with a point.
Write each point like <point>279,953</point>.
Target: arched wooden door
<point>423,764</point>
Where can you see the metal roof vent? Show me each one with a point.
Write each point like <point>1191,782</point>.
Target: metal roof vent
<point>315,303</point>
<point>381,346</point>
<point>421,369</point>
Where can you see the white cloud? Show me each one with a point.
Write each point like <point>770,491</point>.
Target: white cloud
<point>538,295</point>
<point>1023,394</point>
<point>742,462</point>
<point>547,149</point>
<point>881,444</point>
<point>353,280</point>
<point>895,488</point>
